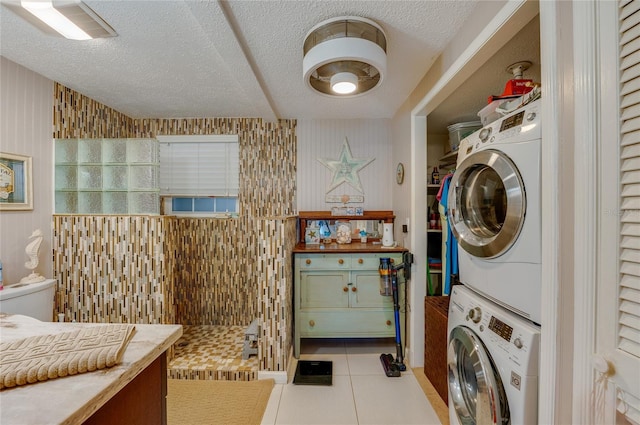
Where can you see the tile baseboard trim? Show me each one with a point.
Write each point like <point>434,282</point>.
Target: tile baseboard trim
<point>279,376</point>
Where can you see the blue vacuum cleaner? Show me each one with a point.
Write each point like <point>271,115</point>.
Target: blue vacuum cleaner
<point>389,286</point>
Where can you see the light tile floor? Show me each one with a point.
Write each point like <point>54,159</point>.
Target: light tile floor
<point>361,393</point>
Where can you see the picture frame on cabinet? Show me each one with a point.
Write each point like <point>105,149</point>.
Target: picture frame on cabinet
<point>312,235</point>
<point>16,184</point>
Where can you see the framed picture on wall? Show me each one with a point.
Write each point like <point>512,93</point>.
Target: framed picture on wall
<point>16,185</point>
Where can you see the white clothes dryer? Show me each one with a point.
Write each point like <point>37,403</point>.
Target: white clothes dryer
<point>494,211</point>
<point>493,363</point>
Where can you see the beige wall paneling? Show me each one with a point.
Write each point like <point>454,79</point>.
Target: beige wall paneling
<point>368,138</point>
<point>25,129</point>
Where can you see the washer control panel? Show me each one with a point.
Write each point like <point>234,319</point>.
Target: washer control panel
<point>502,329</point>
<point>515,337</point>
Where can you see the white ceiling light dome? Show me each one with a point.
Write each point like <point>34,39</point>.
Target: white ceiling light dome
<point>345,52</point>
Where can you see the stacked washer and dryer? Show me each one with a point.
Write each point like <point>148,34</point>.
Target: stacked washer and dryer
<point>494,316</point>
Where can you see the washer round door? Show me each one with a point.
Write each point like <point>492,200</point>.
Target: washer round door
<point>487,204</point>
<point>475,387</point>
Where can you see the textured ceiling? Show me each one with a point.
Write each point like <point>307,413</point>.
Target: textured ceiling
<point>230,58</point>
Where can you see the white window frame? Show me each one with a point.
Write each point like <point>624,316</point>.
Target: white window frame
<point>231,191</point>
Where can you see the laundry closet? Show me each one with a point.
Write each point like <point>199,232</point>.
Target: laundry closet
<point>457,114</point>
<point>462,107</point>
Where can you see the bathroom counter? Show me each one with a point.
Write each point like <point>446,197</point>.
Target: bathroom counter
<point>132,391</point>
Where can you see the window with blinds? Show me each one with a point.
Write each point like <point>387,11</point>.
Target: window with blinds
<point>199,174</point>
<point>629,266</point>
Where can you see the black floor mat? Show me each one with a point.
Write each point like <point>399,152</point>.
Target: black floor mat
<point>312,372</point>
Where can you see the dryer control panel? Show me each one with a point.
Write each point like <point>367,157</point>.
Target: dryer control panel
<point>522,124</point>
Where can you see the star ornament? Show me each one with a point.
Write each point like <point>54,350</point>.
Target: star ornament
<point>346,168</point>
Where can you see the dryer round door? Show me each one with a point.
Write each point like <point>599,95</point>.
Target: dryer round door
<point>475,387</point>
<point>487,204</point>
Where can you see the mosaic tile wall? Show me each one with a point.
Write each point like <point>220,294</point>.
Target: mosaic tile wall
<point>216,280</point>
<point>114,268</point>
<point>77,116</point>
<point>277,238</point>
<point>267,158</point>
<point>214,285</point>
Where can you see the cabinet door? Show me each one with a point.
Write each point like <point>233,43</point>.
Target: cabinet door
<point>365,291</point>
<point>324,289</point>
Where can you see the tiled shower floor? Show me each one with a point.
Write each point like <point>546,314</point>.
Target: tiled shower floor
<point>212,352</point>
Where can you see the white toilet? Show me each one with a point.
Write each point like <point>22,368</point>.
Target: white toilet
<point>29,299</point>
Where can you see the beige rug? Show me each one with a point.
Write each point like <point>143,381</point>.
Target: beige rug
<point>213,402</point>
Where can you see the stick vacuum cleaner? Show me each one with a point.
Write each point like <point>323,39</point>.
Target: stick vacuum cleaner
<point>389,286</point>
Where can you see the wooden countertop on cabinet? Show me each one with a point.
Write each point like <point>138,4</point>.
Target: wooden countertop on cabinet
<point>354,247</point>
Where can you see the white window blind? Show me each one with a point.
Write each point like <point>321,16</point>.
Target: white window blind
<point>199,165</point>
<point>629,267</point>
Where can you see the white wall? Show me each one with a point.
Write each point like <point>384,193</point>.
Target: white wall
<point>368,138</point>
<point>26,126</point>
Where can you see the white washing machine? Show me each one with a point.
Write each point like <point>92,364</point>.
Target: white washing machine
<point>495,214</point>
<point>493,363</point>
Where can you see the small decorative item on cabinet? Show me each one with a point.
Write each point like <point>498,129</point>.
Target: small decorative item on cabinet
<point>312,235</point>
<point>343,232</point>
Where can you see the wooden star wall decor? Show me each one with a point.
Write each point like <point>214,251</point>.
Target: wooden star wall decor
<point>346,168</point>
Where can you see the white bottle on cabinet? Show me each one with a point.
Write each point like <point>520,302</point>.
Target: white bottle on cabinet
<point>387,234</point>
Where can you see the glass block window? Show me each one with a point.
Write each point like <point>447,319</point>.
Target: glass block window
<point>107,176</point>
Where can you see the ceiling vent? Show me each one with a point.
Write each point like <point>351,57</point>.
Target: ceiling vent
<point>345,56</point>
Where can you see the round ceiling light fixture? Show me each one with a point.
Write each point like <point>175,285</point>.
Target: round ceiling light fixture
<point>345,56</point>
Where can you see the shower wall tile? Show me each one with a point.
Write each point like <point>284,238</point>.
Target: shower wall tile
<point>114,268</point>
<point>273,264</point>
<point>215,271</point>
<point>267,157</point>
<point>78,116</point>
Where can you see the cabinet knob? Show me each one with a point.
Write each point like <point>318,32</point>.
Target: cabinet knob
<point>312,323</point>
<point>354,289</point>
<point>308,261</point>
<point>360,261</point>
<point>388,322</point>
<point>345,289</point>
<point>341,261</point>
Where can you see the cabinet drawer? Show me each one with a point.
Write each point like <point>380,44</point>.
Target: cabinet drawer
<point>347,323</point>
<point>323,261</point>
<point>372,261</point>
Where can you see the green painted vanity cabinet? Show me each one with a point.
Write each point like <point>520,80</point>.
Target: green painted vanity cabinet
<point>337,295</point>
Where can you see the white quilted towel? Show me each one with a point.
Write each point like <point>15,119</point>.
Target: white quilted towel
<point>43,357</point>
